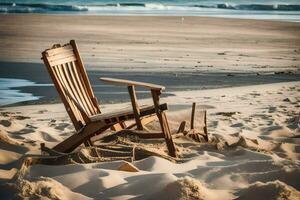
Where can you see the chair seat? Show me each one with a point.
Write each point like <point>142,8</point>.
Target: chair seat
<point>126,114</point>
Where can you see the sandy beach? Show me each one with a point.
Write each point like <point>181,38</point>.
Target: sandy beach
<point>197,44</point>
<point>245,73</point>
<point>254,148</point>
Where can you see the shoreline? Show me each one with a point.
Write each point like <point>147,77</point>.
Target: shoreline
<point>155,15</point>
<point>180,99</point>
<point>33,82</point>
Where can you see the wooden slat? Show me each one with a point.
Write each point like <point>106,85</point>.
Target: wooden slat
<point>148,119</point>
<point>63,82</point>
<point>75,140</point>
<point>117,81</point>
<point>76,122</point>
<point>77,84</point>
<point>71,108</point>
<point>61,85</point>
<point>83,91</point>
<point>135,107</point>
<point>63,61</point>
<point>81,67</point>
<point>145,111</point>
<point>62,55</point>
<point>70,81</point>
<point>117,127</point>
<point>52,52</point>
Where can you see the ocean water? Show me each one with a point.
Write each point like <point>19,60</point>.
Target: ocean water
<point>256,9</point>
<point>9,92</point>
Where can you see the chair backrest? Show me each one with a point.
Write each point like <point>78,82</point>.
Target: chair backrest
<point>69,76</point>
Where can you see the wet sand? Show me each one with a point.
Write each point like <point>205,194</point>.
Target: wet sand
<point>43,91</point>
<point>196,44</point>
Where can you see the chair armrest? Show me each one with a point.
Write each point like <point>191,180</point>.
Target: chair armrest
<point>116,81</point>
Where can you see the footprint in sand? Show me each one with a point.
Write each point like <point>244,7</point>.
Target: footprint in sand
<point>20,117</point>
<point>5,123</point>
<point>213,124</point>
<point>272,109</point>
<point>47,137</point>
<point>23,131</point>
<point>237,125</point>
<point>42,111</point>
<point>29,126</point>
<point>62,126</point>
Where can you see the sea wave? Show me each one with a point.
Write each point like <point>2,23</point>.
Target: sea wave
<point>48,8</point>
<point>39,8</point>
<point>258,7</point>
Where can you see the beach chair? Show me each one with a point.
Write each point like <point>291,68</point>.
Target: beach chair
<point>69,76</point>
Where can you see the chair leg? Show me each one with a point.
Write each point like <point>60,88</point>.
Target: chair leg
<point>75,140</point>
<point>163,123</point>
<point>168,137</point>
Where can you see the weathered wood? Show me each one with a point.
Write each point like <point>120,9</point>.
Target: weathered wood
<point>90,101</point>
<point>163,123</point>
<point>117,127</point>
<point>135,107</point>
<point>51,152</point>
<point>181,127</point>
<point>61,55</point>
<point>75,140</point>
<point>72,89</point>
<point>148,119</point>
<point>62,50</point>
<point>205,127</point>
<point>69,92</point>
<point>131,83</point>
<point>69,76</point>
<point>193,115</point>
<point>83,72</point>
<point>67,59</point>
<point>145,120</point>
<point>123,115</point>
<point>58,87</point>
<point>79,94</point>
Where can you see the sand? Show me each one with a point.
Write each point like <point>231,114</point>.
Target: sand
<point>253,151</point>
<point>140,43</point>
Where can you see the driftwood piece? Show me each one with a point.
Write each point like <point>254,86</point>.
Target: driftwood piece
<point>181,128</point>
<point>193,115</point>
<point>199,134</point>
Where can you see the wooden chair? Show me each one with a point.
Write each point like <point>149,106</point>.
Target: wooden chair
<point>69,76</point>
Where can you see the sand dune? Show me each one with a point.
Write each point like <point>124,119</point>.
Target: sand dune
<point>253,151</point>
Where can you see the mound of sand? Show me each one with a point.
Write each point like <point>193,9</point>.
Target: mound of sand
<point>276,190</point>
<point>185,188</point>
<point>39,188</point>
